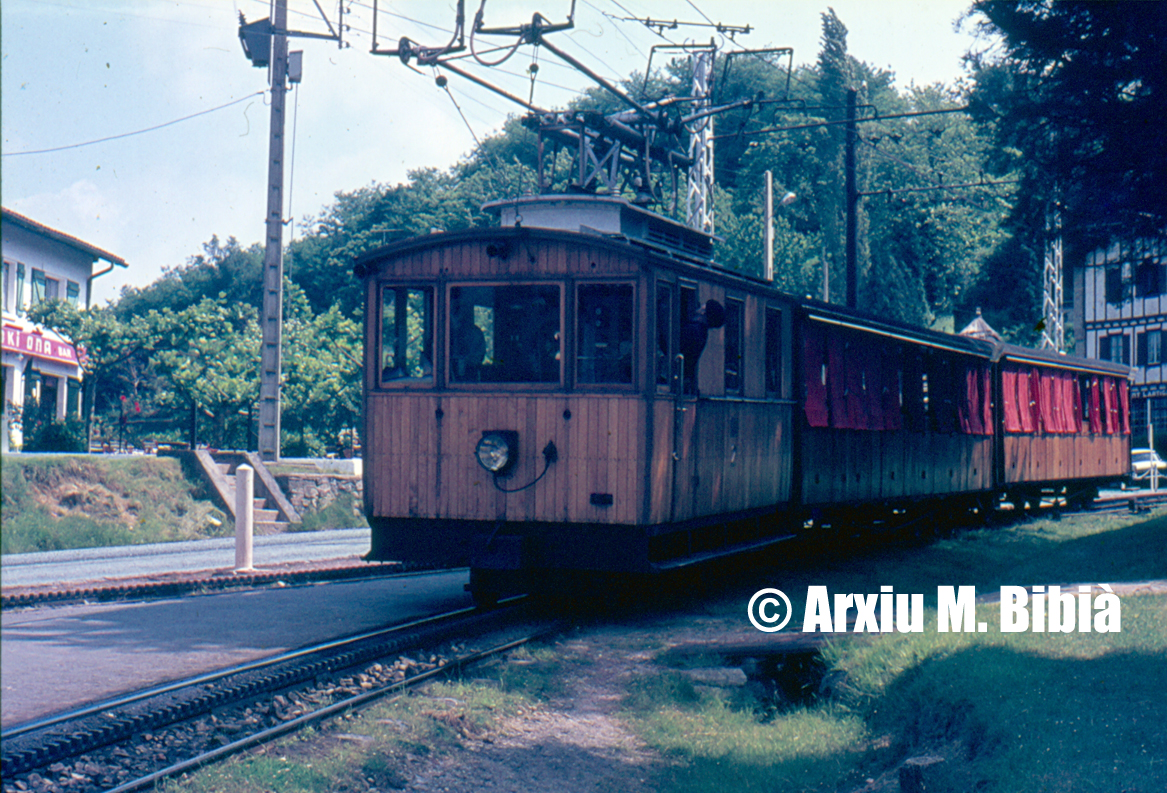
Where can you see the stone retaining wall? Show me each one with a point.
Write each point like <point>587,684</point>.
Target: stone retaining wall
<point>313,492</point>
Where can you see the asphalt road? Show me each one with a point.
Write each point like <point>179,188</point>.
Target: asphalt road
<point>57,658</point>
<point>92,564</point>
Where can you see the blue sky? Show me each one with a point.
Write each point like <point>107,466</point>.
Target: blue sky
<point>79,70</point>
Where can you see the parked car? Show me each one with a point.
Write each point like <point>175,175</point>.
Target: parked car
<point>1143,461</point>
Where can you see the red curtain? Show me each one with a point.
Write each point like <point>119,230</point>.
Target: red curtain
<point>1067,398</point>
<point>1009,397</point>
<point>1026,402</point>
<point>892,410</point>
<point>1110,402</point>
<point>814,375</point>
<point>1124,403</point>
<point>1045,400</point>
<point>970,408</point>
<point>987,399</point>
<point>1095,407</point>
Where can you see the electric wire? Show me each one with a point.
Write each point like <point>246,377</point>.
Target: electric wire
<point>135,132</point>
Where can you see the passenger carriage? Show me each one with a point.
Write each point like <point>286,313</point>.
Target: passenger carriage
<point>534,406</point>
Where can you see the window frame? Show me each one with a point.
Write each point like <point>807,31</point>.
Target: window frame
<point>665,381</point>
<point>576,335</point>
<point>406,383</point>
<point>526,385</point>
<point>772,351</point>
<point>738,341</point>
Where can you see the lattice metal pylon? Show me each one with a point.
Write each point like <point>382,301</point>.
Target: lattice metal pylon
<point>699,195</point>
<point>1053,334</point>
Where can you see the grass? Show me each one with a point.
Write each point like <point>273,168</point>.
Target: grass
<point>342,513</point>
<point>1008,711</point>
<point>62,502</point>
<point>59,502</point>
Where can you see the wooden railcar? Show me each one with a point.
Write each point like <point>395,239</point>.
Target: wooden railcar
<point>529,409</point>
<point>568,344</point>
<point>1064,425</point>
<point>893,416</point>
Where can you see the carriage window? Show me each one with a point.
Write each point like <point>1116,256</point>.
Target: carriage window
<point>604,333</point>
<point>406,334</point>
<point>734,316</point>
<point>664,334</point>
<point>504,334</point>
<point>773,350</point>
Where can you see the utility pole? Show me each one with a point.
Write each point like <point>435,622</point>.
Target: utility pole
<point>768,229</point>
<point>273,254</point>
<point>852,204</point>
<point>265,43</point>
<point>699,198</point>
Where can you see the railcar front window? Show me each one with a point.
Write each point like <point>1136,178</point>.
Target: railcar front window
<point>734,313</point>
<point>406,334</point>
<point>664,334</point>
<point>604,333</point>
<point>505,334</point>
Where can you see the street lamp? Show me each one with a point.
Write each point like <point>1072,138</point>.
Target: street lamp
<point>768,224</point>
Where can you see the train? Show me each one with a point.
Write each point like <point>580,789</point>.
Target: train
<point>582,390</point>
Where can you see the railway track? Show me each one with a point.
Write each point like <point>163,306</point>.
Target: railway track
<point>131,742</point>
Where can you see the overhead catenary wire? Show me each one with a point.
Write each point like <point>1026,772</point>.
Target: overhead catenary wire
<point>135,132</point>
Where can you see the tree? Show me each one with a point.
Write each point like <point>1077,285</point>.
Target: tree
<point>208,363</point>
<point>1075,98</point>
<point>107,346</point>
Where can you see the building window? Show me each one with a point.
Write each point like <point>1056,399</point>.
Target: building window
<point>1149,281</point>
<point>72,292</point>
<point>1114,285</point>
<point>734,316</point>
<point>7,279</point>
<point>1149,347</point>
<point>38,288</point>
<point>1115,347</point>
<point>18,298</point>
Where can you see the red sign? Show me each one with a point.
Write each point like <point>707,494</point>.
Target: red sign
<point>38,345</point>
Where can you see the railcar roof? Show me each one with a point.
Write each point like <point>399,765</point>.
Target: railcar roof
<point>366,264</point>
<point>837,315</point>
<point>1015,352</point>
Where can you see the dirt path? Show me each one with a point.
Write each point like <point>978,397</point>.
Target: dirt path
<point>575,742</point>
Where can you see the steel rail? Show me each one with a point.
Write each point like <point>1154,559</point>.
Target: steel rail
<point>335,708</point>
<point>210,677</point>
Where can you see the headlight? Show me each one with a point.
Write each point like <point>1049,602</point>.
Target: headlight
<point>497,450</point>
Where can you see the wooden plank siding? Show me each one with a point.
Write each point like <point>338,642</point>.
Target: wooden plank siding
<point>853,466</point>
<point>1054,458</point>
<point>601,450</point>
<point>729,454</point>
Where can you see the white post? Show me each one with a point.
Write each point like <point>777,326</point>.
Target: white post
<point>244,517</point>
<point>768,228</point>
<point>1151,443</point>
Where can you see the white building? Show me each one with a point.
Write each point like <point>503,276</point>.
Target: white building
<point>1120,314</point>
<point>41,263</point>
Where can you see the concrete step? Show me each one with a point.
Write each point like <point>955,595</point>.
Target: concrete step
<point>270,527</point>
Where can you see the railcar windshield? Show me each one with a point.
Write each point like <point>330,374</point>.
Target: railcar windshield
<point>505,334</point>
<point>604,333</point>
<point>407,334</point>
